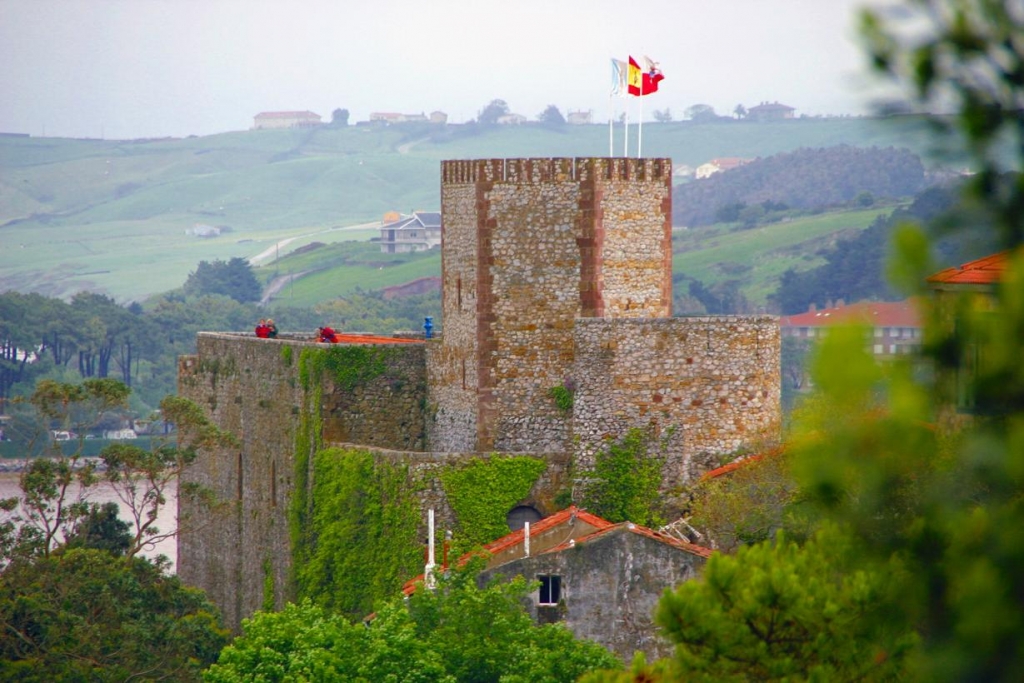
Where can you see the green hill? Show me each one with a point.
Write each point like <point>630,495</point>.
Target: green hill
<point>114,216</point>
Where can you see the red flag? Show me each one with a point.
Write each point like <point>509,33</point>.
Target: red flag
<point>651,77</point>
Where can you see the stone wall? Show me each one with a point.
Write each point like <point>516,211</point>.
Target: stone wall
<point>251,388</point>
<point>708,386</point>
<point>247,387</point>
<point>529,246</point>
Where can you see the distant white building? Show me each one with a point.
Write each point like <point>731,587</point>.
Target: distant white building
<point>717,165</point>
<point>285,119</point>
<point>512,119</point>
<point>203,230</point>
<point>580,118</point>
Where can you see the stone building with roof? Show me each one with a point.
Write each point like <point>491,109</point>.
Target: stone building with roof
<point>285,119</point>
<point>416,232</point>
<point>602,580</point>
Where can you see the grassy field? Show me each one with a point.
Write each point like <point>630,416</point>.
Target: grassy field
<point>112,216</point>
<point>757,257</point>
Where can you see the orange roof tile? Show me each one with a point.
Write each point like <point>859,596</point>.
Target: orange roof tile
<point>743,462</point>
<point>876,313</point>
<point>561,517</point>
<point>636,529</point>
<point>984,271</point>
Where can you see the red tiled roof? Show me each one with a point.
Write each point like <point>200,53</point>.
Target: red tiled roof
<point>983,271</point>
<point>875,313</point>
<point>743,462</point>
<point>561,517</point>
<point>635,529</point>
<point>373,339</point>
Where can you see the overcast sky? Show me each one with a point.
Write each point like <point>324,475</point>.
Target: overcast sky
<point>149,68</point>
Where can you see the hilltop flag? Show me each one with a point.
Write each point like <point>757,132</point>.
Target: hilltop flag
<point>634,79</point>
<point>619,73</point>
<point>651,77</point>
<point>643,81</point>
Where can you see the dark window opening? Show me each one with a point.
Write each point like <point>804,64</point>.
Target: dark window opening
<point>550,589</point>
<point>458,292</point>
<point>463,373</point>
<point>519,515</point>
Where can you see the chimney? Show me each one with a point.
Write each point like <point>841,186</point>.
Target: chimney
<point>526,538</point>
<point>812,308</point>
<point>840,303</point>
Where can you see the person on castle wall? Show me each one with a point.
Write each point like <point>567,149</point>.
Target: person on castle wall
<point>271,329</point>
<point>327,335</point>
<point>261,329</point>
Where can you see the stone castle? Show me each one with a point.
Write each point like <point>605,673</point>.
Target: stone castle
<point>556,273</point>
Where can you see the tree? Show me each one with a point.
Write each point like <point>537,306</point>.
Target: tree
<point>490,114</point>
<point>233,278</point>
<point>701,113</point>
<point>81,614</point>
<point>53,504</point>
<point>663,115</point>
<point>740,111</point>
<point>339,118</point>
<point>749,505</point>
<point>551,115</point>
<point>456,632</point>
<point>779,611</point>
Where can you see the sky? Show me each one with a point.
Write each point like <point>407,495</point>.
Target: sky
<point>121,69</point>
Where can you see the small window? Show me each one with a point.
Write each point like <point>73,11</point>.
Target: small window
<point>878,348</point>
<point>550,589</point>
<point>878,331</point>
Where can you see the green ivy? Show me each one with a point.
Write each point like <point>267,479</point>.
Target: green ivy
<point>362,537</point>
<point>483,491</point>
<point>268,586</point>
<point>286,354</point>
<point>563,397</point>
<point>627,478</point>
<point>347,366</point>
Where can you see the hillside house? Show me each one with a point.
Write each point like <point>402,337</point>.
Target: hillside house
<point>770,111</point>
<point>896,325</point>
<point>418,232</point>
<point>203,230</point>
<point>714,166</point>
<point>579,118</point>
<point>602,580</point>
<point>438,117</point>
<point>389,118</point>
<point>512,120</point>
<point>285,119</point>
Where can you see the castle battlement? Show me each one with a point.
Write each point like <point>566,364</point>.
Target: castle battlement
<point>556,272</point>
<point>549,169</point>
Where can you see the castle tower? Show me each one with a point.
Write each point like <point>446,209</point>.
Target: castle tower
<point>529,246</point>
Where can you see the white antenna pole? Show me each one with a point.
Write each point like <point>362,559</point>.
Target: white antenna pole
<point>640,125</point>
<point>611,117</point>
<point>625,132</point>
<point>526,538</point>
<point>428,571</point>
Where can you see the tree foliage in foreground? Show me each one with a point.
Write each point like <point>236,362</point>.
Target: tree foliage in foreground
<point>81,615</point>
<point>458,632</point>
<point>919,463</point>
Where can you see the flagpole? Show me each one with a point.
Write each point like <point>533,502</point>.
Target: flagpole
<point>640,127</point>
<point>625,136</point>
<point>611,113</point>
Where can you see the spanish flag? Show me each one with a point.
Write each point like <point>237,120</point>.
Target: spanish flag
<point>634,78</point>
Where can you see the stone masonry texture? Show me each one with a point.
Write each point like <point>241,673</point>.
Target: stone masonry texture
<point>555,272</point>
